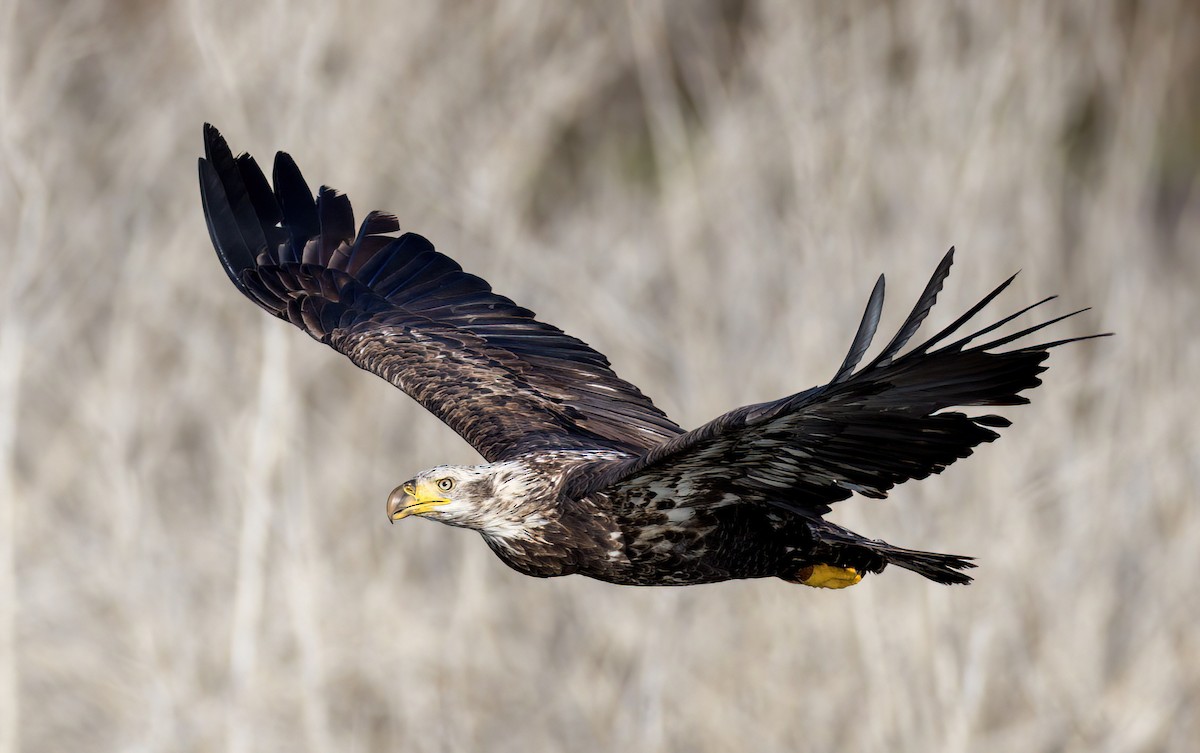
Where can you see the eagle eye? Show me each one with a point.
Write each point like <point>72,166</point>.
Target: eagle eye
<point>445,484</point>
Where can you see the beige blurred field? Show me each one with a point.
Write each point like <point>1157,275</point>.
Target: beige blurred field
<point>194,554</point>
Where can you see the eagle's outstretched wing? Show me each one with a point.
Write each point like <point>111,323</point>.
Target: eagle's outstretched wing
<point>864,432</point>
<point>506,382</point>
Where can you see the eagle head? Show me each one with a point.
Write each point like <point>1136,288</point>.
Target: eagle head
<point>483,497</point>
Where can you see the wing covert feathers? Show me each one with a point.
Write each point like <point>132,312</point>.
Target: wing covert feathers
<point>505,381</point>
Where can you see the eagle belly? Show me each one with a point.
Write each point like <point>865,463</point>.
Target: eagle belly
<point>668,537</point>
<point>654,542</point>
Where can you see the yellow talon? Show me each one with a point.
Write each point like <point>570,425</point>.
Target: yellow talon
<point>828,576</point>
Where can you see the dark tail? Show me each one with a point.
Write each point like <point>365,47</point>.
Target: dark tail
<point>844,548</point>
<point>942,568</point>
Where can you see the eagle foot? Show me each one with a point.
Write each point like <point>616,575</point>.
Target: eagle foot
<point>827,576</point>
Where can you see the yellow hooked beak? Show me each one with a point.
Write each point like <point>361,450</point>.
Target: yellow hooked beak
<point>408,500</point>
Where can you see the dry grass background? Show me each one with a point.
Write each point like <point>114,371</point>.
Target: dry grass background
<point>193,550</point>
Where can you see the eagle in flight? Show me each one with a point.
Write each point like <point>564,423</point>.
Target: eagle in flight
<point>584,474</point>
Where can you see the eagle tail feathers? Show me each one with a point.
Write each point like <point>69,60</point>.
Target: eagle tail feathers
<point>940,568</point>
<point>842,547</point>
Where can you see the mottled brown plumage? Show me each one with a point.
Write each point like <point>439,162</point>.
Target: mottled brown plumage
<point>584,474</point>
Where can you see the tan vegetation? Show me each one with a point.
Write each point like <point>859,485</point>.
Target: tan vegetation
<point>193,549</point>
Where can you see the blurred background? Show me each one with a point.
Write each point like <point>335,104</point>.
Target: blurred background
<point>194,554</point>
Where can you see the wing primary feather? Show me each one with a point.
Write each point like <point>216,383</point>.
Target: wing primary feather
<point>378,223</point>
<point>222,225</point>
<point>337,222</point>
<point>865,334</point>
<point>297,205</point>
<point>1064,341</point>
<point>236,195</point>
<point>920,310</point>
<point>960,321</point>
<point>996,325</point>
<point>370,239</point>
<point>1016,335</point>
<point>262,198</point>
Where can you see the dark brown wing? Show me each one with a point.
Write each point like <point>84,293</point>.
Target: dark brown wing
<point>506,382</point>
<point>863,432</point>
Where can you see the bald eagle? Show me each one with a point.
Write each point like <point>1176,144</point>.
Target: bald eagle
<point>584,474</point>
